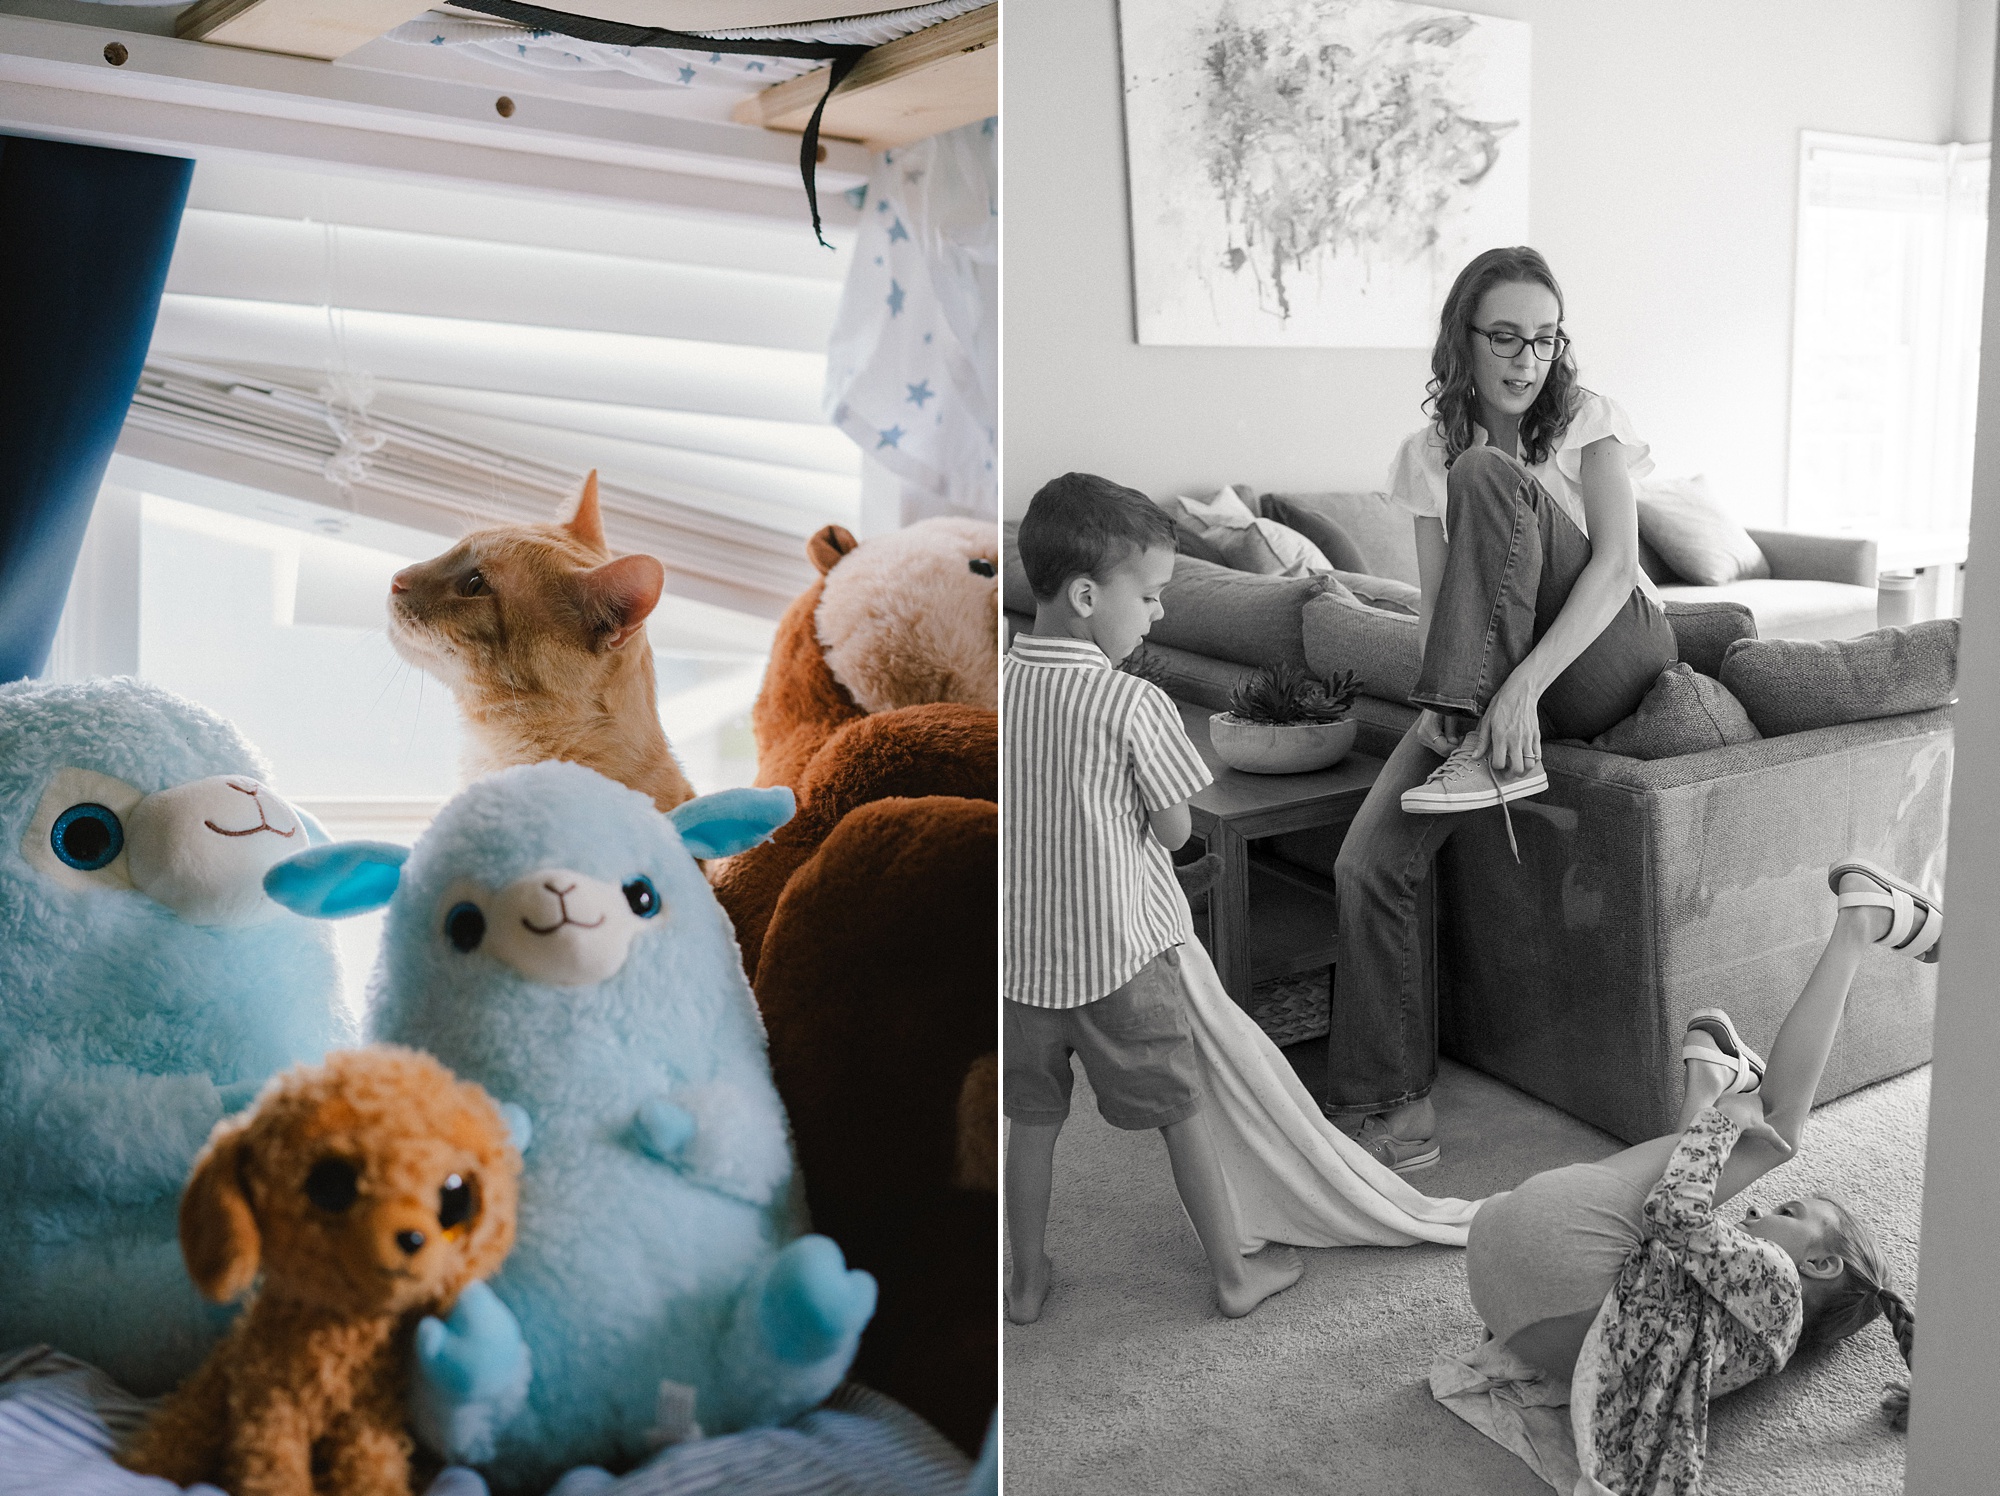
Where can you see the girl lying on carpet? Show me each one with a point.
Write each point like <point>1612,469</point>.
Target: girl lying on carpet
<point>1621,1280</point>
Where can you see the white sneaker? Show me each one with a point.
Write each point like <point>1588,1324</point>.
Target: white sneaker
<point>1466,782</point>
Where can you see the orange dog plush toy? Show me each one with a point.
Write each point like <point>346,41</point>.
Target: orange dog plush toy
<point>364,1193</point>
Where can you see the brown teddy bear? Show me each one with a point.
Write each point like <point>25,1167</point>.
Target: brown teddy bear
<point>362,1194</point>
<point>868,928</point>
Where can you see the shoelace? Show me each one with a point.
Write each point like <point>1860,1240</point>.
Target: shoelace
<point>1446,771</point>
<point>1505,814</point>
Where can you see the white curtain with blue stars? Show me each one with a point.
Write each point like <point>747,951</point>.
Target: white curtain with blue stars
<point>912,369</point>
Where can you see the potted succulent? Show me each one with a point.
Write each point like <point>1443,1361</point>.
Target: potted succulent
<point>1284,719</point>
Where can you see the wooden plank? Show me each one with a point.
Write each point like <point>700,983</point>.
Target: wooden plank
<point>324,29</point>
<point>716,15</point>
<point>931,80</point>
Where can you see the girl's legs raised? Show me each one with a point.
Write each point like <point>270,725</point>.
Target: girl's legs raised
<point>1791,1072</point>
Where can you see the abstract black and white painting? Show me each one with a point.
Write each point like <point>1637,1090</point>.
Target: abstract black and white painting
<point>1313,173</point>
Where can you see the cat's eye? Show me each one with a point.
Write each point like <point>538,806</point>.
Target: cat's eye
<point>465,926</point>
<point>643,897</point>
<point>980,566</point>
<point>333,1184</point>
<point>474,585</point>
<point>457,1203</point>
<point>87,837</point>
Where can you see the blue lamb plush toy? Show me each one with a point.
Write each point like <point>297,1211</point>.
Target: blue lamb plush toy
<point>147,986</point>
<point>552,938</point>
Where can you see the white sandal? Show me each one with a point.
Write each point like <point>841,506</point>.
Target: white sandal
<point>1727,1048</point>
<point>1916,919</point>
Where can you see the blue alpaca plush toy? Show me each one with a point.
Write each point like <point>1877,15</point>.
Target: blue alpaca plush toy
<point>147,987</point>
<point>553,938</point>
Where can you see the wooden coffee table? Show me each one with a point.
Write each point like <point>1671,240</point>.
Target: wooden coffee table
<point>1268,918</point>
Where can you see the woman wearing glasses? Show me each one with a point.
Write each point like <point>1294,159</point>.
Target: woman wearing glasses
<point>1535,617</point>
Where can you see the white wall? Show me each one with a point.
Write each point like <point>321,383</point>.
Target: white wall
<point>1954,1438</point>
<point>1664,188</point>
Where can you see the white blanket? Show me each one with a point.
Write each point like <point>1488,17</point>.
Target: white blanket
<point>1295,1176</point>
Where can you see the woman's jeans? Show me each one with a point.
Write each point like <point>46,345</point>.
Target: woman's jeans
<point>1514,558</point>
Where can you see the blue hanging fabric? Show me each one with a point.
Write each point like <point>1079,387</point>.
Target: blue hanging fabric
<point>85,237</point>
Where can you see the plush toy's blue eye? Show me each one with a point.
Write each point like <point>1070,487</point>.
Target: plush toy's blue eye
<point>465,926</point>
<point>88,837</point>
<point>643,897</point>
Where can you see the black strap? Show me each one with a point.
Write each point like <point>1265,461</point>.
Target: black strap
<point>843,56</point>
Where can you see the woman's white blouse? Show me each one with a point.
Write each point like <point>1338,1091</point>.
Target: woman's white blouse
<point>1416,477</point>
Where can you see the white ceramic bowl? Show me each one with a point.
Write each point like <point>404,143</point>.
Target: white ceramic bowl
<point>1296,748</point>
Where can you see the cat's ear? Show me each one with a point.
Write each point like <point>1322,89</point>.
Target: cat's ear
<point>828,546</point>
<point>731,821</point>
<point>587,524</point>
<point>619,595</point>
<point>335,881</point>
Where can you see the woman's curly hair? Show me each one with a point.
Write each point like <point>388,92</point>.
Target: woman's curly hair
<point>1861,1292</point>
<point>1451,401</point>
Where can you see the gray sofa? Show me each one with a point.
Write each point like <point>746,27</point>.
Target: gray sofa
<point>1646,889</point>
<point>1820,587</point>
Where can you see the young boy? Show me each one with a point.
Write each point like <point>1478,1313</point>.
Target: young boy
<point>1096,777</point>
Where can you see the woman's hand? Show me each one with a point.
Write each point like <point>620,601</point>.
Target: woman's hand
<point>1511,731</point>
<point>1433,731</point>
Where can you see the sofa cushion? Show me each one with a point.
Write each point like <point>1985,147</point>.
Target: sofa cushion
<point>1358,531</point>
<point>1380,647</point>
<point>1685,712</point>
<point>1232,615</point>
<point>1793,609</point>
<point>1796,685</point>
<point>1681,520</point>
<point>1704,627</point>
<point>1380,592</point>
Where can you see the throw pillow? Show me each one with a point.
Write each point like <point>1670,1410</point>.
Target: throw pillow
<point>1318,526</point>
<point>1795,685</point>
<point>1655,568</point>
<point>1233,615</point>
<point>1357,531</point>
<point>1225,508</point>
<point>1380,647</point>
<point>1704,630</point>
<point>1695,535</point>
<point>1685,712</point>
<point>1269,549</point>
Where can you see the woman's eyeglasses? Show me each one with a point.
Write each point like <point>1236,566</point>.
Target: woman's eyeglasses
<point>1548,348</point>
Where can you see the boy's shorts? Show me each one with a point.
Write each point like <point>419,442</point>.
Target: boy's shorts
<point>1135,1049</point>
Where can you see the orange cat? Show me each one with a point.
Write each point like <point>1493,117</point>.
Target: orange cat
<point>540,634</point>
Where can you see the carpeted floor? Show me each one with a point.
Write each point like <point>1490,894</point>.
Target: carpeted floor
<point>1133,1382</point>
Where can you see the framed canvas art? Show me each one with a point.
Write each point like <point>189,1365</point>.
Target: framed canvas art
<point>1312,173</point>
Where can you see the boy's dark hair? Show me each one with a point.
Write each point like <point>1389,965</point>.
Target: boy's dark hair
<point>1079,524</point>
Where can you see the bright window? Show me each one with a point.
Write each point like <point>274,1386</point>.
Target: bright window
<point>1885,361</point>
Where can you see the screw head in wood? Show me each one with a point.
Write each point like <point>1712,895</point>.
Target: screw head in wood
<point>115,54</point>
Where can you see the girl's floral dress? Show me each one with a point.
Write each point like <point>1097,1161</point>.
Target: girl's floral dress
<point>1701,1308</point>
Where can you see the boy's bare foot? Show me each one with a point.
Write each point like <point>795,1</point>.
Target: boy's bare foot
<point>1272,1270</point>
<point>1028,1289</point>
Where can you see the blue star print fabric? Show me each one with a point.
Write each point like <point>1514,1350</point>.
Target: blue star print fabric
<point>912,372</point>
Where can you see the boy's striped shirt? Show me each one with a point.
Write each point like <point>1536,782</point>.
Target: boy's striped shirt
<point>1088,751</point>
